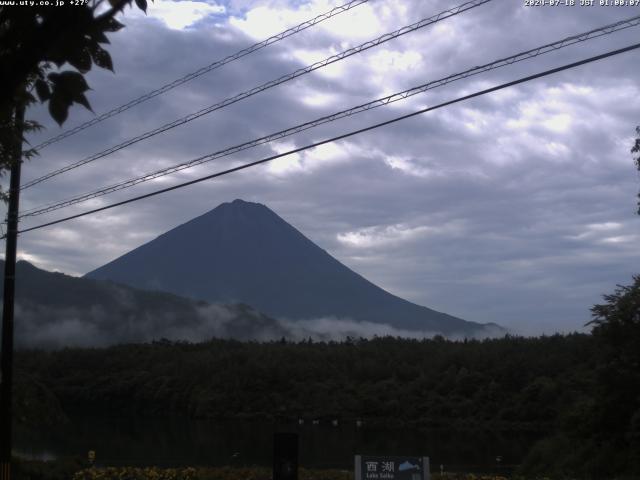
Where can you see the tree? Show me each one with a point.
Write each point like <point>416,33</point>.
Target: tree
<point>616,329</point>
<point>37,44</point>
<point>600,435</point>
<point>617,414</point>
<point>35,40</point>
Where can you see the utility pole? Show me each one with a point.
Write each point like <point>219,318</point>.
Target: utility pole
<point>6,362</point>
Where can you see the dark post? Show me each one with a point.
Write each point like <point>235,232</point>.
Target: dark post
<point>285,456</point>
<point>6,363</point>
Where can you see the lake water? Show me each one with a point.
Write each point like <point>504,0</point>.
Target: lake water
<point>181,442</point>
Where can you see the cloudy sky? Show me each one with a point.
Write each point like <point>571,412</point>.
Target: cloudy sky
<point>516,207</point>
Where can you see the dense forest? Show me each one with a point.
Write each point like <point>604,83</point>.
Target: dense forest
<point>582,391</point>
<point>507,383</point>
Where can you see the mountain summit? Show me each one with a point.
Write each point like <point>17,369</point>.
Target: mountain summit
<point>244,252</point>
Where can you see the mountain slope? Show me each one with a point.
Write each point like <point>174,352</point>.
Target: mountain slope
<point>55,310</point>
<point>244,252</point>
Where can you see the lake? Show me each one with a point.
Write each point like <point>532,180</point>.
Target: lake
<point>182,442</point>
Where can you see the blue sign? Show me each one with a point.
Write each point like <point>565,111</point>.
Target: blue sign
<point>391,468</point>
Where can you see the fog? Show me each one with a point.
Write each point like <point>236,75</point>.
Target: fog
<point>45,327</point>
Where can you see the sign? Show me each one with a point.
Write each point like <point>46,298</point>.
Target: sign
<point>391,468</point>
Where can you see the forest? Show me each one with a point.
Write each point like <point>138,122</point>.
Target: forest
<point>582,391</point>
<point>506,383</point>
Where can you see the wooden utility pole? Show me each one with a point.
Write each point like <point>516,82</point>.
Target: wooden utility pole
<point>6,362</point>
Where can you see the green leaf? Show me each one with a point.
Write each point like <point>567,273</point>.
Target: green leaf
<point>69,82</point>
<point>101,57</point>
<point>59,108</point>
<point>142,5</point>
<point>29,98</point>
<point>82,100</point>
<point>68,87</point>
<point>99,36</point>
<point>53,77</point>
<point>42,89</point>
<point>56,55</point>
<point>113,25</point>
<point>75,81</point>
<point>81,59</point>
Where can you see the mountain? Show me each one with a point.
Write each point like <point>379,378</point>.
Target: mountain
<point>244,252</point>
<point>55,310</point>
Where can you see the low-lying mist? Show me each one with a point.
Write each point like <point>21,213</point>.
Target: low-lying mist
<point>49,327</point>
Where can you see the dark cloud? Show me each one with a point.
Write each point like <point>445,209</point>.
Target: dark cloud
<point>516,208</point>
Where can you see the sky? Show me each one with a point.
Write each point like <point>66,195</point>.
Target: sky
<point>517,207</point>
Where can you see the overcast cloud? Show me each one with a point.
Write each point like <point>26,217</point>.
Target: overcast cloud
<point>516,208</point>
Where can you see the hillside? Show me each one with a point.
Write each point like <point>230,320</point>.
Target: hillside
<point>55,310</point>
<point>244,252</point>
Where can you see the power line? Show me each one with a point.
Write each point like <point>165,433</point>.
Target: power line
<point>265,86</point>
<point>201,71</point>
<point>582,37</point>
<point>343,136</point>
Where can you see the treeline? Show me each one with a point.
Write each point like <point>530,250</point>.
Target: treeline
<point>510,383</point>
<point>582,391</point>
